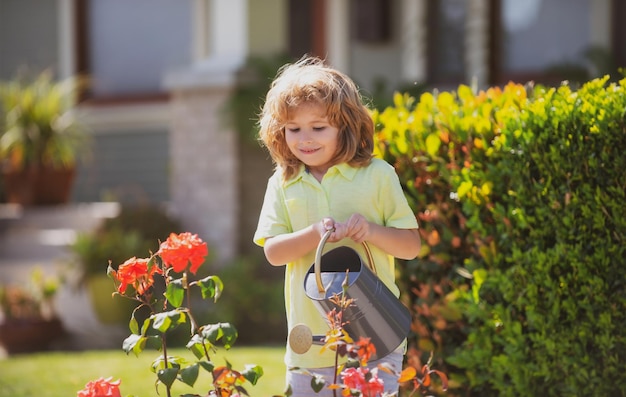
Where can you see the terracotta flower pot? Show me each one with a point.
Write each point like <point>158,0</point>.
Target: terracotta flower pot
<point>54,185</point>
<point>18,185</point>
<point>30,335</point>
<point>38,185</point>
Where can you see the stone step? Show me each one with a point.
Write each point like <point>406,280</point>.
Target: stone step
<point>41,236</point>
<point>80,216</point>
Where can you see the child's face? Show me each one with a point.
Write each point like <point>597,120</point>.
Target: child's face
<point>311,138</point>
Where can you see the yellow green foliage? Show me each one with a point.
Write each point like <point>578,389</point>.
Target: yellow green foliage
<point>519,192</point>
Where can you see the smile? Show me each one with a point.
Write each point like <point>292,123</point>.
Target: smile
<point>309,151</point>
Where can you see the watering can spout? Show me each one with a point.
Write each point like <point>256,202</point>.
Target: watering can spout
<point>301,339</point>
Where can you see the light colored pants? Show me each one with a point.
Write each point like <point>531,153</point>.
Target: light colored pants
<point>301,383</point>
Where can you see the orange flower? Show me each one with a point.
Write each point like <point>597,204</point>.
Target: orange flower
<point>365,349</point>
<point>101,388</point>
<point>135,272</point>
<point>180,250</point>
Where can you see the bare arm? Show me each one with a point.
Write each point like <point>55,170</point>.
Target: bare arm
<point>400,243</point>
<point>286,248</point>
<point>289,247</point>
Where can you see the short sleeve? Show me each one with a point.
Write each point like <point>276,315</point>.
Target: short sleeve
<point>396,210</point>
<point>273,219</point>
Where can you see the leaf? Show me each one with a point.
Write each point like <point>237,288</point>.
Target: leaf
<point>465,93</point>
<point>443,377</point>
<point>166,321</point>
<point>433,142</point>
<point>167,376</point>
<point>198,345</point>
<point>220,331</point>
<point>175,293</point>
<point>426,379</point>
<point>317,383</point>
<point>207,365</point>
<point>146,325</point>
<point>252,373</point>
<point>407,374</point>
<point>464,188</point>
<point>133,325</point>
<point>133,343</point>
<point>211,287</point>
<point>189,375</point>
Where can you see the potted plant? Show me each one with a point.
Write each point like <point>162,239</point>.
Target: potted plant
<point>40,138</point>
<point>29,321</point>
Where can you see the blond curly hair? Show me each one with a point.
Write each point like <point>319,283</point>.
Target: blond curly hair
<point>310,81</point>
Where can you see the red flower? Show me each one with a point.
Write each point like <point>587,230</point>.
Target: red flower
<point>362,379</point>
<point>180,250</point>
<point>135,272</point>
<point>101,388</point>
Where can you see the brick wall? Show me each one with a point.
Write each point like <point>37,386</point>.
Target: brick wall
<point>204,168</point>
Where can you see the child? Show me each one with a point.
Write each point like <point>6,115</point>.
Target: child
<point>321,137</point>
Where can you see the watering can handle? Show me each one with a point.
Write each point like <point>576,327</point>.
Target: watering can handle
<point>318,260</point>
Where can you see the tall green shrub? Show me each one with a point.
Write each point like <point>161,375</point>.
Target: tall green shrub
<point>437,146</point>
<point>559,321</point>
<point>521,191</point>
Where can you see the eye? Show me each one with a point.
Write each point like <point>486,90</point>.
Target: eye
<point>319,128</point>
<point>293,129</point>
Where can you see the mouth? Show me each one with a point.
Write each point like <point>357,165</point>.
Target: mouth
<point>308,150</point>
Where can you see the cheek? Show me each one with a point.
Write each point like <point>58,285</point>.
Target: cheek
<point>290,139</point>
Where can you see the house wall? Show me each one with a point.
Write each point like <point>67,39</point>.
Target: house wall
<point>126,165</point>
<point>267,22</point>
<point>28,36</point>
<point>129,159</point>
<point>205,167</point>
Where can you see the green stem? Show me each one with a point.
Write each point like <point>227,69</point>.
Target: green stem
<point>164,343</point>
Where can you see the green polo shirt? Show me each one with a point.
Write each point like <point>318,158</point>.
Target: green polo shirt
<point>373,191</point>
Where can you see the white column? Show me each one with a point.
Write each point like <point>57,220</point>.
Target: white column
<point>600,16</point>
<point>66,35</point>
<point>413,40</point>
<point>220,44</point>
<point>200,45</point>
<point>338,34</point>
<point>477,42</point>
<point>203,148</point>
<point>229,29</point>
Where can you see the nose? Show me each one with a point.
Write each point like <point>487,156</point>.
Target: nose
<point>306,136</point>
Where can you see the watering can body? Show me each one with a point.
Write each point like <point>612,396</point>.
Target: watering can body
<point>376,312</point>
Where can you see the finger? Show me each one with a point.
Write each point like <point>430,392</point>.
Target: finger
<point>353,221</point>
<point>340,231</point>
<point>326,225</point>
<point>358,237</point>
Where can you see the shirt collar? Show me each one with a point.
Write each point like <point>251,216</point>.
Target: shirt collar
<point>344,169</point>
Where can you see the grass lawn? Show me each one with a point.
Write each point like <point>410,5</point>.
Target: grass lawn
<point>63,374</point>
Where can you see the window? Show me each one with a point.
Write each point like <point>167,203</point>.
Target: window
<point>126,48</point>
<point>307,28</point>
<point>541,40</point>
<point>446,41</point>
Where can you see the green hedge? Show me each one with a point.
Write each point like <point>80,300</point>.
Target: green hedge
<point>520,193</point>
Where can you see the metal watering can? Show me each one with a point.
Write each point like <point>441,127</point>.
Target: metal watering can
<point>376,312</point>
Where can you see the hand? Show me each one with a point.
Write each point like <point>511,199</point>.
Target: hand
<point>358,228</point>
<point>339,229</point>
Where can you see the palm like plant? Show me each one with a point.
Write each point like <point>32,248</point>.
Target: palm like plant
<point>39,127</point>
<point>40,135</point>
